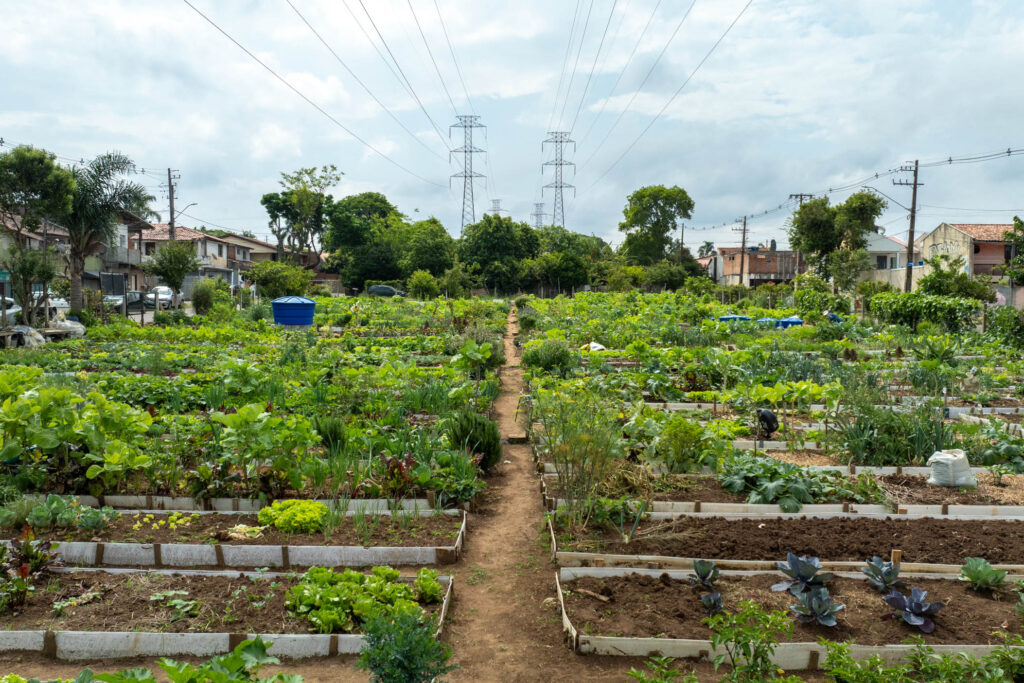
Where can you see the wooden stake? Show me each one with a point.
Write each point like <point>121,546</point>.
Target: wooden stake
<point>896,556</point>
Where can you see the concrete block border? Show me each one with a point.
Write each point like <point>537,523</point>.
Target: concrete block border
<point>89,645</point>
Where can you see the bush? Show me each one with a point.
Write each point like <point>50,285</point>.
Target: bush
<point>477,435</point>
<point>85,317</point>
<point>551,355</point>
<point>274,279</point>
<point>402,649</point>
<point>910,308</point>
<point>423,285</point>
<point>1006,325</point>
<point>319,289</point>
<point>203,295</point>
<point>681,444</point>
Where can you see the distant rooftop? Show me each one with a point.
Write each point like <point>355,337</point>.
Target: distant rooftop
<point>984,232</point>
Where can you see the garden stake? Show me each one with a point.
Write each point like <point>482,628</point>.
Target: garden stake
<point>896,556</point>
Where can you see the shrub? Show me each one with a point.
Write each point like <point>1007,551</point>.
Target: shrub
<point>319,289</point>
<point>551,355</point>
<point>402,649</point>
<point>274,279</point>
<point>295,516</point>
<point>203,295</point>
<point>476,434</point>
<point>423,285</point>
<point>681,443</point>
<point>911,308</point>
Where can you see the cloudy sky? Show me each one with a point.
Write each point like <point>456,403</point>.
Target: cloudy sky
<point>800,96</point>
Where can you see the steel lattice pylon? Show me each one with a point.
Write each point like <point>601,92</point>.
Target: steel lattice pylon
<point>559,139</point>
<point>538,214</point>
<point>467,122</point>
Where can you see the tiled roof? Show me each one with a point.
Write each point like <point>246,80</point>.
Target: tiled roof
<point>984,232</point>
<point>162,232</point>
<point>52,229</point>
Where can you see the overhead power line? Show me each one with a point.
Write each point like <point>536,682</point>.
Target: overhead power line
<point>444,85</point>
<point>360,81</point>
<point>646,77</point>
<point>618,79</point>
<point>593,66</point>
<point>576,63</point>
<point>565,64</point>
<point>451,50</point>
<point>313,104</point>
<point>676,93</point>
<point>408,83</point>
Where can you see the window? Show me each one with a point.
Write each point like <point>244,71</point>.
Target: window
<point>220,250</point>
<point>894,262</point>
<point>880,261</point>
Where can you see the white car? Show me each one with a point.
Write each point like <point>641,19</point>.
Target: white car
<point>11,308</point>
<point>168,299</point>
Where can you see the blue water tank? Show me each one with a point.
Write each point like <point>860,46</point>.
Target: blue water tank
<point>733,318</point>
<point>791,321</point>
<point>293,310</point>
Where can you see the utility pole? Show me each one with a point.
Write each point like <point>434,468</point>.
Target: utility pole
<point>467,122</point>
<point>559,139</point>
<point>171,177</point>
<point>743,248</point>
<point>909,278</point>
<point>800,197</point>
<point>538,214</point>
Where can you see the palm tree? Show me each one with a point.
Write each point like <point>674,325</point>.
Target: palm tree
<point>706,249</point>
<point>101,194</point>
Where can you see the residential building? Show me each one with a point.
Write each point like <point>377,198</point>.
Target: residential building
<point>218,257</point>
<point>760,266</point>
<point>889,258</point>
<point>983,248</point>
<point>49,235</point>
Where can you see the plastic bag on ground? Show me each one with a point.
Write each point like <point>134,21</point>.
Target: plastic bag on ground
<point>30,337</point>
<point>950,468</point>
<point>76,329</point>
<point>594,346</point>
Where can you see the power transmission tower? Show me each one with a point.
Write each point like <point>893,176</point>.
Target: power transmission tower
<point>172,175</point>
<point>538,214</point>
<point>908,280</point>
<point>559,139</point>
<point>743,248</point>
<point>467,122</point>
<point>496,207</point>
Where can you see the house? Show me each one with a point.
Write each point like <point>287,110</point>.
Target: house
<point>983,248</point>
<point>49,235</point>
<point>889,258</point>
<point>218,257</point>
<point>257,250</point>
<point>760,265</point>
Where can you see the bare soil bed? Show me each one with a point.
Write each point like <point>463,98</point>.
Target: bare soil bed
<point>941,541</point>
<point>373,530</point>
<point>910,489</point>
<point>123,603</point>
<point>661,607</point>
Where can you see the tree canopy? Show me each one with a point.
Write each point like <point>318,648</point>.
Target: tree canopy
<point>173,262</point>
<point>650,217</point>
<point>817,229</point>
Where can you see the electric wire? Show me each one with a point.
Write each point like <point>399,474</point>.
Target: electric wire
<point>647,77</point>
<point>431,55</point>
<point>451,50</point>
<point>565,64</point>
<point>593,66</point>
<point>316,106</point>
<point>360,81</point>
<point>576,63</point>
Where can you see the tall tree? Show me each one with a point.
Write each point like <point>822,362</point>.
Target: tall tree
<point>174,261</point>
<point>706,249</point>
<point>32,188</point>
<point>846,266</point>
<point>428,246</point>
<point>651,215</point>
<point>351,219</point>
<point>1015,267</point>
<point>282,216</point>
<point>101,195</point>
<point>306,191</point>
<point>497,244</point>
<point>817,229</point>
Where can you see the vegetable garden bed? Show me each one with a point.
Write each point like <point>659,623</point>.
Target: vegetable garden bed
<point>656,613</point>
<point>81,614</point>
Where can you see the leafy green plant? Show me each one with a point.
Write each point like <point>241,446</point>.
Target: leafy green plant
<point>60,511</point>
<point>766,480</point>
<point>712,602</point>
<point>178,601</point>
<point>705,573</point>
<point>913,609</point>
<point>981,575</point>
<point>748,637</point>
<point>659,670</point>
<point>428,588</point>
<point>295,516</point>
<point>401,648</point>
<point>477,435</point>
<point>883,575</point>
<point>803,573</point>
<point>340,601</point>
<point>816,606</point>
<point>682,444</point>
<point>551,355</point>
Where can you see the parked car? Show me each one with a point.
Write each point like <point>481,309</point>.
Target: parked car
<point>116,302</point>
<point>11,308</point>
<point>167,296</point>
<point>56,303</point>
<point>384,290</point>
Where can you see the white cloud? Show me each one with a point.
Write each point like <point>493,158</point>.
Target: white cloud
<point>273,141</point>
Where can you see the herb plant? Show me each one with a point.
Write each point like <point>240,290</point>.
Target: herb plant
<point>401,648</point>
<point>295,516</point>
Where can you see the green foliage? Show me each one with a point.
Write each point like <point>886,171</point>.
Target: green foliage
<point>428,588</point>
<point>339,602</point>
<point>705,573</point>
<point>924,665</point>
<point>275,279</point>
<point>659,670</point>
<point>295,516</point>
<point>818,229</point>
<point>400,648</point>
<point>475,434</point>
<point>319,290</point>
<point>883,575</point>
<point>766,480</point>
<point>650,217</point>
<point>172,262</point>
<point>60,511</point>
<point>877,436</point>
<point>846,267</point>
<point>423,285</point>
<point>27,267</point>
<point>496,244</point>
<point>749,638</point>
<point>910,308</point>
<point>981,575</point>
<point>948,278</point>
<point>551,355</point>
<point>203,296</point>
<point>1015,268</point>
<point>1006,325</point>
<point>683,444</point>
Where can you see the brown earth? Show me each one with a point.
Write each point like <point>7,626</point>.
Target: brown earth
<point>649,606</point>
<point>371,530</point>
<point>909,489</point>
<point>943,541</point>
